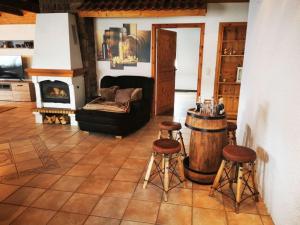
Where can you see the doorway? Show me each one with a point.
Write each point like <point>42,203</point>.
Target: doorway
<point>169,73</point>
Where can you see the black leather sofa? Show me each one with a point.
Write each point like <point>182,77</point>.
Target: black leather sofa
<point>120,124</point>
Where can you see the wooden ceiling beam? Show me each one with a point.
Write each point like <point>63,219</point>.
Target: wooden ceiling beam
<point>10,10</point>
<point>28,5</point>
<point>142,13</point>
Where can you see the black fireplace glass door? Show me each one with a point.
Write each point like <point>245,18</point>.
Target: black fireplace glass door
<point>55,91</point>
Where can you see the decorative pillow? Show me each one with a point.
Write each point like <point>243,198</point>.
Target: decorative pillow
<point>123,95</point>
<point>109,93</point>
<point>107,106</point>
<point>137,94</point>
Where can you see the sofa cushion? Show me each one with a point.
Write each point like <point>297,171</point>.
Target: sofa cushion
<point>123,95</point>
<point>109,93</point>
<point>137,94</point>
<point>108,106</point>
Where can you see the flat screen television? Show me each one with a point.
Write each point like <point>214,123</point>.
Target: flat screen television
<point>11,67</point>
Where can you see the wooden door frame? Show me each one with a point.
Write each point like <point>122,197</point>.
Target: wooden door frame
<point>155,27</point>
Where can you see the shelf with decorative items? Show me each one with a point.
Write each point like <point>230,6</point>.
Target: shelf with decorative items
<point>229,66</point>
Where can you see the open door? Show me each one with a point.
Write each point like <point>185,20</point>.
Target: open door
<point>165,80</point>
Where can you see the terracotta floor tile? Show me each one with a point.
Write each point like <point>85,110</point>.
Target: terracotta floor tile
<point>64,218</point>
<point>142,211</point>
<point>6,190</point>
<point>43,180</point>
<point>80,203</point>
<point>92,159</point>
<point>150,193</point>
<point>25,196</point>
<point>128,175</point>
<point>111,207</point>
<point>201,199</point>
<point>247,206</point>
<point>52,199</point>
<point>9,212</point>
<point>94,185</point>
<point>18,180</point>
<point>29,165</point>
<point>261,208</point>
<point>4,146</point>
<point>126,222</point>
<point>25,156</point>
<point>201,187</point>
<point>81,170</point>
<point>135,164</point>
<point>95,220</point>
<point>208,217</point>
<point>80,149</point>
<point>243,219</point>
<point>5,158</point>
<point>72,157</point>
<point>267,220</point>
<point>140,154</point>
<point>34,216</point>
<point>62,148</point>
<point>120,189</point>
<point>113,161</point>
<point>105,172</point>
<point>7,170</point>
<point>174,215</point>
<point>180,196</point>
<point>20,143</point>
<point>68,183</point>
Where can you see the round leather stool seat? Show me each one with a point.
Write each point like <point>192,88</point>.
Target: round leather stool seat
<point>169,125</point>
<point>239,154</point>
<point>166,146</point>
<point>231,126</point>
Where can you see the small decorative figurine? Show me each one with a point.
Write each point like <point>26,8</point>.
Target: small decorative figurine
<point>220,107</point>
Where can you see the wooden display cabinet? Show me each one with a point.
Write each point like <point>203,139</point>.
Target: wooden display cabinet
<point>230,56</point>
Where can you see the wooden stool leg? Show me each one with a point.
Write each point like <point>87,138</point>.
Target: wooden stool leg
<point>170,133</point>
<point>217,178</point>
<point>159,134</point>
<point>148,170</point>
<point>182,144</point>
<point>166,177</point>
<point>239,188</point>
<point>253,181</point>
<point>181,169</point>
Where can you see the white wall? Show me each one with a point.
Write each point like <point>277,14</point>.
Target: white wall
<point>217,12</point>
<point>54,42</point>
<point>18,32</point>
<point>269,110</point>
<point>187,58</point>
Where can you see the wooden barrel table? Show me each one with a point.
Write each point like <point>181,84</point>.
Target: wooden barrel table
<point>208,138</point>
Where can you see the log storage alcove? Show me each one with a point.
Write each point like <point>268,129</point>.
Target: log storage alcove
<point>208,137</point>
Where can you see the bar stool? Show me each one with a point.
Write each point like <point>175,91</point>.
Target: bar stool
<point>169,153</point>
<point>170,127</point>
<point>231,128</point>
<point>237,167</point>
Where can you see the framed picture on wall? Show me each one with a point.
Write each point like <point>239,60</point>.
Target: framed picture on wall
<point>239,74</point>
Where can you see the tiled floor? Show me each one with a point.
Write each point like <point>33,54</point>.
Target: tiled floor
<point>52,174</point>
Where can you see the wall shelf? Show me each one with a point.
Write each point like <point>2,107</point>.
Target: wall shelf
<point>232,38</point>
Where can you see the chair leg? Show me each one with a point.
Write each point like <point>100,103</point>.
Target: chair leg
<point>182,144</point>
<point>239,188</point>
<point>166,177</point>
<point>217,178</point>
<point>253,181</point>
<point>147,176</point>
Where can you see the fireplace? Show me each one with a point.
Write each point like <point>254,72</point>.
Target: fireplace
<point>55,91</point>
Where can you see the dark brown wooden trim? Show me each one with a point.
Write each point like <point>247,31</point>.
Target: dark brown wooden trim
<point>142,13</point>
<point>155,27</point>
<point>54,73</point>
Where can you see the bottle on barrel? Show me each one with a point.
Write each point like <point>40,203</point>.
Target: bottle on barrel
<point>198,104</point>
